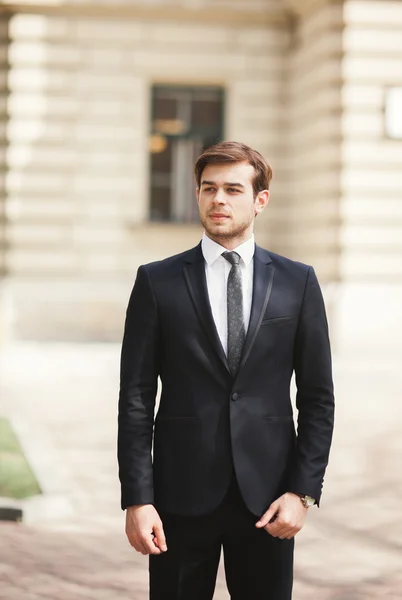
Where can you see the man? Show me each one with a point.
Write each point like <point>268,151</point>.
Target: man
<point>224,325</point>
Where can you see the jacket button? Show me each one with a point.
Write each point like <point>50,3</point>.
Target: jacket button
<point>235,397</point>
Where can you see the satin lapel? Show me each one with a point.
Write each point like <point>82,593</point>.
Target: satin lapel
<point>263,279</point>
<point>194,273</point>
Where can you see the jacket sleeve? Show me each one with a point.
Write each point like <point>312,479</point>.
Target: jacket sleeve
<point>315,397</point>
<point>139,369</point>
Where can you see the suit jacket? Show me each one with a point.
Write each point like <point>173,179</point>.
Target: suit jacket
<point>210,422</point>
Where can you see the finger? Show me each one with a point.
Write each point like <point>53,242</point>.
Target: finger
<point>278,527</point>
<point>134,543</point>
<point>155,547</point>
<point>297,528</point>
<point>292,531</point>
<point>266,517</point>
<point>154,538</point>
<point>269,516</point>
<point>137,545</point>
<point>141,547</point>
<point>282,531</point>
<point>145,551</point>
<point>274,531</point>
<point>160,536</point>
<point>287,534</point>
<point>148,544</point>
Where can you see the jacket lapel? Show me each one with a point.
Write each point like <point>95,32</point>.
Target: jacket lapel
<point>263,279</point>
<point>194,273</point>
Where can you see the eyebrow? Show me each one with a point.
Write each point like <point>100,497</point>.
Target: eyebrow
<point>228,183</point>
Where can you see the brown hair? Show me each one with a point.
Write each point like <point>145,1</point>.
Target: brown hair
<point>235,152</point>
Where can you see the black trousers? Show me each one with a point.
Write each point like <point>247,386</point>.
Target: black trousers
<point>257,566</point>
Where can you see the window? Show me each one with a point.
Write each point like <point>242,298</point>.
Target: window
<point>185,121</point>
<point>393,113</point>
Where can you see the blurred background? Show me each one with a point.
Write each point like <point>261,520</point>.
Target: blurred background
<point>104,108</point>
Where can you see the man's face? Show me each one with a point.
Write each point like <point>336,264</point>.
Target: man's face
<point>226,201</point>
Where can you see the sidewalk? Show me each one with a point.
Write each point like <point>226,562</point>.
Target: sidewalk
<point>43,565</point>
<point>64,398</point>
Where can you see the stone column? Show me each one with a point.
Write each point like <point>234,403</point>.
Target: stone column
<point>370,303</point>
<point>313,130</point>
<point>372,171</point>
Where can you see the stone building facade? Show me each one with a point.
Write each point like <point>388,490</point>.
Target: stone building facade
<point>303,81</point>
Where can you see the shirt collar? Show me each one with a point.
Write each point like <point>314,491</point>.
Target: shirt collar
<point>212,250</point>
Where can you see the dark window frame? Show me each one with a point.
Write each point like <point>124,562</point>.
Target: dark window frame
<point>176,141</point>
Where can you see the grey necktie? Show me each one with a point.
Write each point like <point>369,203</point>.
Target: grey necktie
<point>236,329</point>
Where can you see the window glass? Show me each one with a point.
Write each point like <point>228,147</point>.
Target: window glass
<point>185,121</point>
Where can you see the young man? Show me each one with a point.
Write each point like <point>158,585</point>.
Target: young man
<point>224,325</point>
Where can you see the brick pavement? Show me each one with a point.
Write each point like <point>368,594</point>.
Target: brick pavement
<point>349,550</point>
<point>49,565</point>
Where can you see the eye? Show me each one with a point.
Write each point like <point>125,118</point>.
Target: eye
<point>233,190</point>
<point>209,189</point>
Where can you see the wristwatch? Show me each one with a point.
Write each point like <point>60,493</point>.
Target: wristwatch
<point>307,501</point>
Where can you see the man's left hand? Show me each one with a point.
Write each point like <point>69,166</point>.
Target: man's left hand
<point>285,517</point>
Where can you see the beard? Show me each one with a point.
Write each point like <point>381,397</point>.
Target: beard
<point>226,231</point>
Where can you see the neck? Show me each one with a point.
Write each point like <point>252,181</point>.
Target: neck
<point>230,243</point>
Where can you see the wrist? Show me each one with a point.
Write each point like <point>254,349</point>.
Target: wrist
<point>307,501</point>
<point>135,507</point>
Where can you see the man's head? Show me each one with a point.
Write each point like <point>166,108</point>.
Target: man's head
<point>232,189</point>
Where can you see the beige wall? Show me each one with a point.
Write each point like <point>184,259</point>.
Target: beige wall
<point>77,129</point>
<point>310,220</point>
<point>77,158</point>
<point>372,164</point>
<point>308,92</point>
<point>79,119</point>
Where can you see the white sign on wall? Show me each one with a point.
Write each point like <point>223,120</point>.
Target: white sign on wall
<point>393,113</point>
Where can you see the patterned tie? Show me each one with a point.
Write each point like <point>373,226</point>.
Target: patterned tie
<point>236,329</point>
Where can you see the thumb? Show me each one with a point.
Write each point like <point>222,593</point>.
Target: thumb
<point>266,517</point>
<point>160,536</point>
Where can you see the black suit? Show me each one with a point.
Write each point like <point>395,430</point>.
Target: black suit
<point>210,424</point>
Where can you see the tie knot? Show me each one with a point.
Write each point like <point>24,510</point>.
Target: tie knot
<point>232,257</point>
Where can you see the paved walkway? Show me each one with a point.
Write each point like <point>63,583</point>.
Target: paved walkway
<point>63,401</point>
<point>49,565</point>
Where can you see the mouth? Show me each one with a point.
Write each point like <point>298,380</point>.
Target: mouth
<point>218,217</point>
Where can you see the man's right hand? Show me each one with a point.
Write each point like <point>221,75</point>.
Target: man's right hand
<point>144,529</point>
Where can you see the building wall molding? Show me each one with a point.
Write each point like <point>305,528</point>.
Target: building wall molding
<point>301,8</point>
<point>173,13</point>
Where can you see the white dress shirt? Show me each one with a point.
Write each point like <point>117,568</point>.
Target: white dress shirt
<point>217,270</point>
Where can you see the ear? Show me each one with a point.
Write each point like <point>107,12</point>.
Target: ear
<point>197,193</point>
<point>261,202</point>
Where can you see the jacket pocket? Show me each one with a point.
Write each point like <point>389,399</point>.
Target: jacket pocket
<point>173,418</point>
<point>276,320</point>
<point>286,418</point>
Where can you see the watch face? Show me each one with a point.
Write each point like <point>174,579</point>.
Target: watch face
<point>309,500</point>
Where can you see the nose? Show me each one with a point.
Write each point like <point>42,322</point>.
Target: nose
<point>220,197</point>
